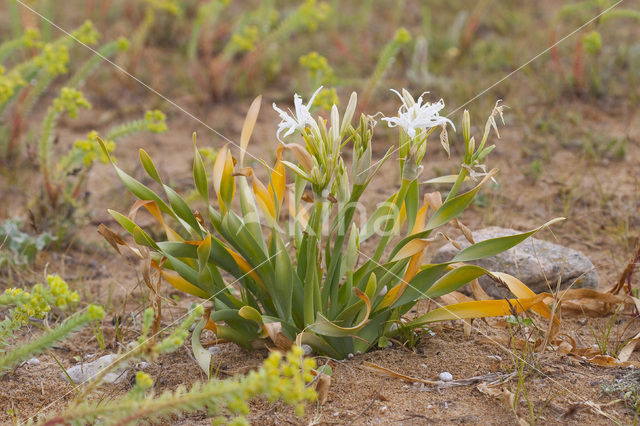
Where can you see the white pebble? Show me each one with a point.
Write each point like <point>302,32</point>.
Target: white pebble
<point>336,414</point>
<point>383,409</point>
<point>33,361</point>
<point>306,349</point>
<point>350,356</point>
<point>214,350</point>
<point>445,376</point>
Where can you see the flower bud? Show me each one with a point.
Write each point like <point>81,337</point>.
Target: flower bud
<point>466,125</point>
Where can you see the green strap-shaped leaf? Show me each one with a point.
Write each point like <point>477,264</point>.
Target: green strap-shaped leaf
<point>249,209</point>
<point>203,356</point>
<point>199,172</point>
<point>420,284</point>
<point>252,314</point>
<point>318,344</point>
<point>493,246</point>
<point>452,208</point>
<point>148,165</point>
<point>377,220</point>
<point>448,211</point>
<point>138,234</point>
<point>182,210</point>
<point>454,279</point>
<point>138,189</point>
<point>411,202</point>
<point>284,280</point>
<point>325,327</point>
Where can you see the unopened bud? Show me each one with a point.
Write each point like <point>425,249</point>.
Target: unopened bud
<point>466,125</point>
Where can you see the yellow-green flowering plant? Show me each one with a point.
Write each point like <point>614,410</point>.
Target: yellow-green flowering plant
<point>17,98</point>
<point>65,178</point>
<point>319,74</point>
<point>251,46</point>
<point>310,282</point>
<point>35,303</point>
<point>590,53</point>
<point>280,377</point>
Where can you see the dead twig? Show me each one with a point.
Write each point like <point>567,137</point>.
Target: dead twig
<point>374,397</point>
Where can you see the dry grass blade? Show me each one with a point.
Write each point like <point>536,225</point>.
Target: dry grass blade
<point>490,378</point>
<point>506,396</point>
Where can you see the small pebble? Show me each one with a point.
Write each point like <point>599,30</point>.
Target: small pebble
<point>445,376</point>
<point>383,409</point>
<point>214,350</point>
<point>336,414</point>
<point>306,349</point>
<point>350,356</point>
<point>33,361</point>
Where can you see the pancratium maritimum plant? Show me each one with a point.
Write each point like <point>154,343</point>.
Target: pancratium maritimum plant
<point>311,284</point>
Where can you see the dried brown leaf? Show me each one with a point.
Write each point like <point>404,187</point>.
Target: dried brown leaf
<point>323,383</point>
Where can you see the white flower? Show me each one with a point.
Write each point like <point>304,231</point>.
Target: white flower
<point>413,116</point>
<point>302,117</point>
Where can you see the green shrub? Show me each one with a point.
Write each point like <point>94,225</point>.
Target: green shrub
<point>18,248</point>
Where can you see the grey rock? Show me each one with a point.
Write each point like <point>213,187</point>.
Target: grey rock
<point>535,262</point>
<point>82,372</point>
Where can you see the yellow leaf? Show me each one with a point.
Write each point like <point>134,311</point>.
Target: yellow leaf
<point>245,267</point>
<point>402,216</point>
<point>263,199</point>
<point>278,182</point>
<point>479,309</point>
<point>421,216</point>
<point>413,268</point>
<point>181,284</point>
<point>251,314</point>
<point>521,291</point>
<point>154,210</point>
<point>302,155</point>
<point>411,248</point>
<point>247,127</point>
<point>223,180</point>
